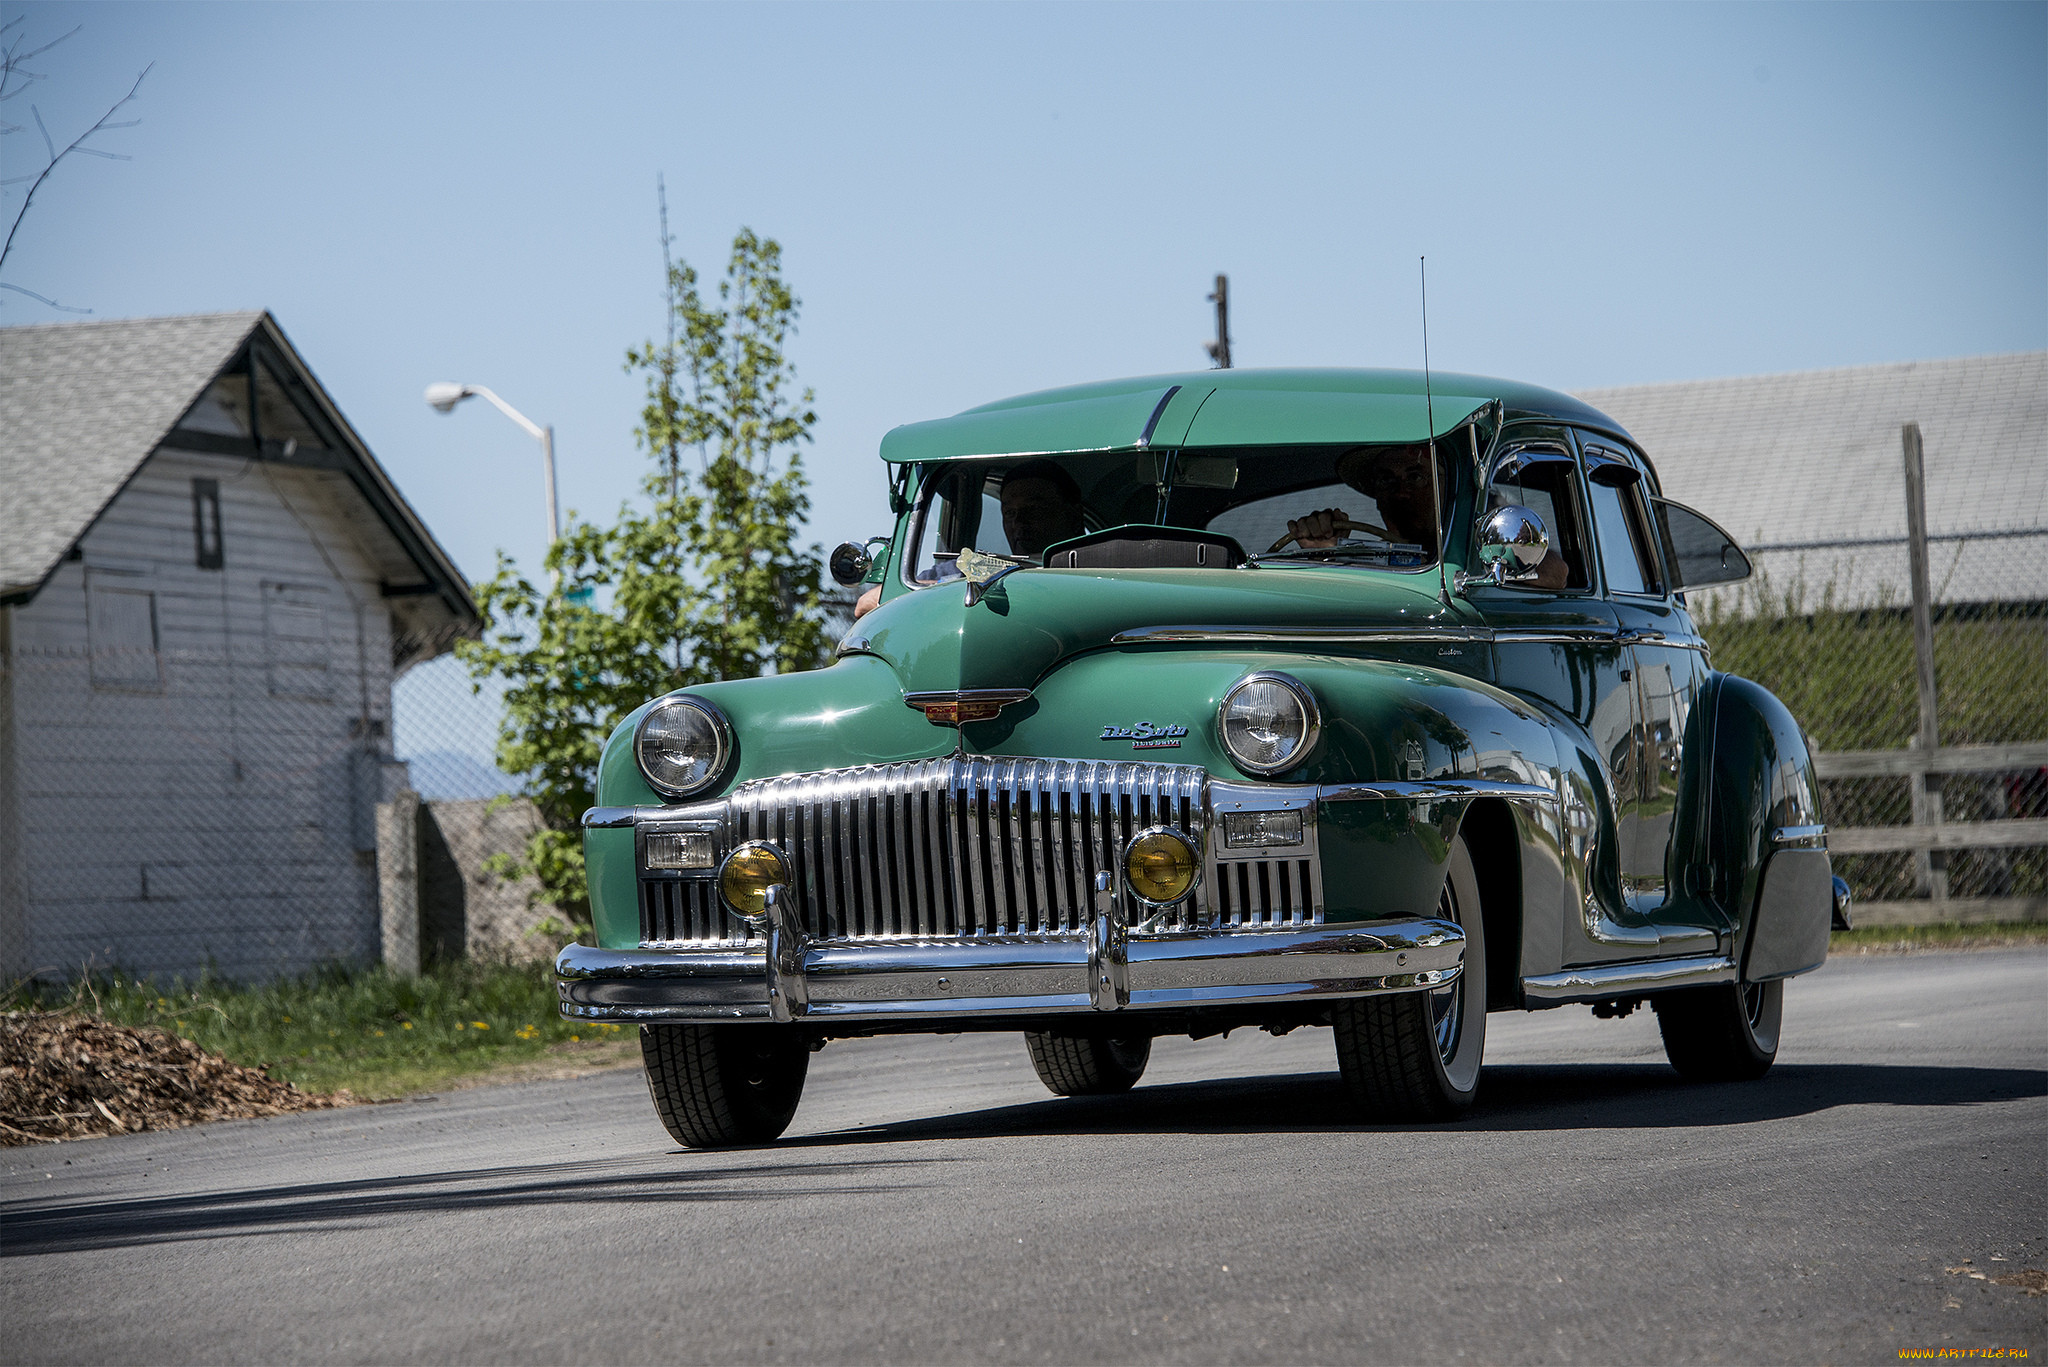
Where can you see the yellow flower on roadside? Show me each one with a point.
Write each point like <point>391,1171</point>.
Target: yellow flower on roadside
<point>479,1025</point>
<point>405,1025</point>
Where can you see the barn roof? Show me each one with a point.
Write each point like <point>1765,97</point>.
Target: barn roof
<point>1806,470</point>
<point>83,405</point>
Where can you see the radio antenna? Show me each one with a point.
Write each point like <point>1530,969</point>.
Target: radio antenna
<point>1436,495</point>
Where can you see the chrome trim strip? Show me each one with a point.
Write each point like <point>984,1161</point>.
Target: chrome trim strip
<point>1263,796</point>
<point>951,978</point>
<point>1158,412</point>
<point>1237,635</point>
<point>1619,980</point>
<point>1555,636</point>
<point>1432,791</point>
<point>611,818</point>
<point>1800,837</point>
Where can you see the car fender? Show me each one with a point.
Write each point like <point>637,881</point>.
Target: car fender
<point>1766,861</point>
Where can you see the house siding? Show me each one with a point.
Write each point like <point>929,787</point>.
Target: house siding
<point>215,815</point>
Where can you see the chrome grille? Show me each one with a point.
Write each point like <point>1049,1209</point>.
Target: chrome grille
<point>975,847</point>
<point>674,910</point>
<point>962,846</point>
<point>1264,892</point>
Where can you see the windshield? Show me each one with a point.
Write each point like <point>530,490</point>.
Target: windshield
<point>1375,506</point>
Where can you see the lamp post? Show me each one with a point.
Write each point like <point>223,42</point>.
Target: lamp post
<point>444,396</point>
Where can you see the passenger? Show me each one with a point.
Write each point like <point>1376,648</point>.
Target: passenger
<point>1041,507</point>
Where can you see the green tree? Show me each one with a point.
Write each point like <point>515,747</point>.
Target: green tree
<point>705,582</point>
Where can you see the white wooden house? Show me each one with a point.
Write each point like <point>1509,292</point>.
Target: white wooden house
<point>207,586</point>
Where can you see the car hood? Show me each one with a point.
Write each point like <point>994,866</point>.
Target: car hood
<point>1032,620</point>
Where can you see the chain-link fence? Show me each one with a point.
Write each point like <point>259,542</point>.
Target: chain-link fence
<point>1830,630</point>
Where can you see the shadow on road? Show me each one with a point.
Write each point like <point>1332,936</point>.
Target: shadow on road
<point>30,1228</point>
<point>1513,1099</point>
<point>1519,1098</point>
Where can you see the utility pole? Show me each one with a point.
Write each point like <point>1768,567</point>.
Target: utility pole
<point>1219,350</point>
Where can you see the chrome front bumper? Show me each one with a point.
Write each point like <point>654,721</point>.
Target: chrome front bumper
<point>1108,971</point>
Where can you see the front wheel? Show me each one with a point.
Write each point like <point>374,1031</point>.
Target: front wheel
<point>1416,1055</point>
<point>717,1086</point>
<point>1087,1065</point>
<point>1727,1033</point>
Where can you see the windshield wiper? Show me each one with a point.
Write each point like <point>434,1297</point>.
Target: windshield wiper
<point>1344,552</point>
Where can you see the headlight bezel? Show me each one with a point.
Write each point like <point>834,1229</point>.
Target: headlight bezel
<point>721,731</point>
<point>1312,716</point>
<point>1194,849</point>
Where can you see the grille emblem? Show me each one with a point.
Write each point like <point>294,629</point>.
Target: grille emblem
<point>971,704</point>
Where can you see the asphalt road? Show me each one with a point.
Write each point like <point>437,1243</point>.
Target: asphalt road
<point>933,1204</point>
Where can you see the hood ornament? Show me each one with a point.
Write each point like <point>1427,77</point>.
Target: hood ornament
<point>982,571</point>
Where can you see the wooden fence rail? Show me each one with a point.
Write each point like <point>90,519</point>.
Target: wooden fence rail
<point>1925,836</point>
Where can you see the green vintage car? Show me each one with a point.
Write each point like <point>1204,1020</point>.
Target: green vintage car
<point>1238,698</point>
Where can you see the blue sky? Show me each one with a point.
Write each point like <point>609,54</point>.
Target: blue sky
<point>982,200</point>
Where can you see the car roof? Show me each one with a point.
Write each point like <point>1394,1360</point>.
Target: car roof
<point>1230,408</point>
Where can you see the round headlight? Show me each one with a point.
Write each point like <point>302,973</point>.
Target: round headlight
<point>1269,722</point>
<point>1161,866</point>
<point>746,876</point>
<point>681,745</point>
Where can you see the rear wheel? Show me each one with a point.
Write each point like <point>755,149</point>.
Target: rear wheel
<point>1087,1065</point>
<point>1727,1033</point>
<point>716,1086</point>
<point>1416,1055</point>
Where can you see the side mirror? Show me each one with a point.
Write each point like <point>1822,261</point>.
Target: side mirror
<point>849,563</point>
<point>1513,544</point>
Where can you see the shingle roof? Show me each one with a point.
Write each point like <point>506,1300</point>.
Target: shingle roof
<point>81,407</point>
<point>1814,456</point>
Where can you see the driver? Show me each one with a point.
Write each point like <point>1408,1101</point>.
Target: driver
<point>1398,481</point>
<point>1041,507</point>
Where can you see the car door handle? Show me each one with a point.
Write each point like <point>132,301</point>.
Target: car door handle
<point>1636,638</point>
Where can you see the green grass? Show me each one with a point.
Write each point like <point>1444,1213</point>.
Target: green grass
<point>359,1028</point>
<point>1949,936</point>
<point>1849,677</point>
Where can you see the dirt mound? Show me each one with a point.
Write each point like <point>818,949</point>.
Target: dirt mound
<point>64,1075</point>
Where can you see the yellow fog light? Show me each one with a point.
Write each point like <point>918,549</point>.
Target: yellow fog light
<point>746,876</point>
<point>1161,866</point>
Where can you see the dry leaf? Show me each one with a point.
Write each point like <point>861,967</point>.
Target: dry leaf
<point>62,1073</point>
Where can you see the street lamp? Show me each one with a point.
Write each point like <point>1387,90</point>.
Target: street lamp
<point>444,396</point>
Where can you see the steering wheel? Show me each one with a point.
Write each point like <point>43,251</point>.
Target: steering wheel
<point>1340,524</point>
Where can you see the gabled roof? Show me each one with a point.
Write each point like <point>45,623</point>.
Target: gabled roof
<point>1807,468</point>
<point>83,405</point>
<point>1219,408</point>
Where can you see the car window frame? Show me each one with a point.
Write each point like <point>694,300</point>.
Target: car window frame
<point>1519,436</point>
<point>1640,524</point>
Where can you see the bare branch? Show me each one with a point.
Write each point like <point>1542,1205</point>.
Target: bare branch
<point>39,298</point>
<point>77,144</point>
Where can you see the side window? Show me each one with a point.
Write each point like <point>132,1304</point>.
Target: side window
<point>1621,526</point>
<point>1544,480</point>
<point>121,622</point>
